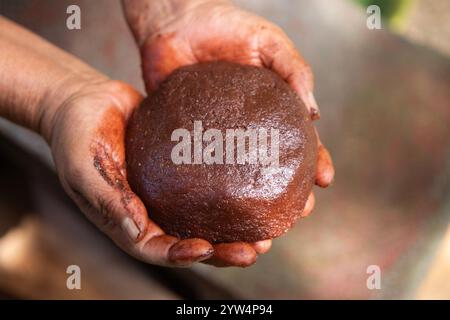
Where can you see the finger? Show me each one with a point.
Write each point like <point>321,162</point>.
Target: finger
<point>238,254</point>
<point>309,206</point>
<point>161,56</point>
<point>126,102</point>
<point>325,168</point>
<point>104,185</point>
<point>262,246</point>
<point>186,252</point>
<point>149,243</point>
<point>279,54</point>
<point>95,177</point>
<point>155,249</point>
<point>169,251</point>
<point>121,215</point>
<point>109,208</point>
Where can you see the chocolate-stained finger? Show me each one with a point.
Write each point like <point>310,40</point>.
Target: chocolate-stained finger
<point>325,168</point>
<point>238,254</point>
<point>279,54</point>
<point>262,246</point>
<point>186,252</point>
<point>156,250</point>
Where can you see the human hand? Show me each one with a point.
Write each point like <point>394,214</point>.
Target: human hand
<point>82,115</point>
<point>199,31</point>
<point>87,140</point>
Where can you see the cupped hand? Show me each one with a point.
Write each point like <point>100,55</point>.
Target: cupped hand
<point>87,142</point>
<point>217,30</point>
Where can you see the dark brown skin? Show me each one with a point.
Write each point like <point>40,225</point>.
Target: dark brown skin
<point>222,202</point>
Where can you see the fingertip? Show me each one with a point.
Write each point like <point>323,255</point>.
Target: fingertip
<point>186,252</point>
<point>325,169</point>
<point>309,206</point>
<point>160,57</point>
<point>238,254</point>
<point>315,114</point>
<point>263,246</point>
<point>311,104</point>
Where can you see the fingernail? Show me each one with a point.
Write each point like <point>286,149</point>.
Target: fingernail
<point>189,251</point>
<point>312,105</point>
<point>262,246</point>
<point>208,254</point>
<point>131,229</point>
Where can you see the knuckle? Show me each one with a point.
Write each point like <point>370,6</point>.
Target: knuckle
<point>73,172</point>
<point>119,86</point>
<point>106,209</point>
<point>77,195</point>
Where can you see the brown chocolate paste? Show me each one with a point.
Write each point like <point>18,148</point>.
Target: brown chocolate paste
<point>222,202</point>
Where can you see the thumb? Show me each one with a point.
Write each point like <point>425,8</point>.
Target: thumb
<point>279,54</point>
<point>107,200</point>
<point>161,56</point>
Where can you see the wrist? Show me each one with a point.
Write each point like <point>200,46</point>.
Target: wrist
<point>147,18</point>
<point>36,78</point>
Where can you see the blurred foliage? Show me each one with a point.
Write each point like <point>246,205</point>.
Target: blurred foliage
<point>392,11</point>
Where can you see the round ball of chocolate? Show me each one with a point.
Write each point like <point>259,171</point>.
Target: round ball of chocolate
<point>223,152</point>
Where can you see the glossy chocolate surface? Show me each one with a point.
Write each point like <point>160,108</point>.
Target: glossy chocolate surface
<point>222,202</point>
